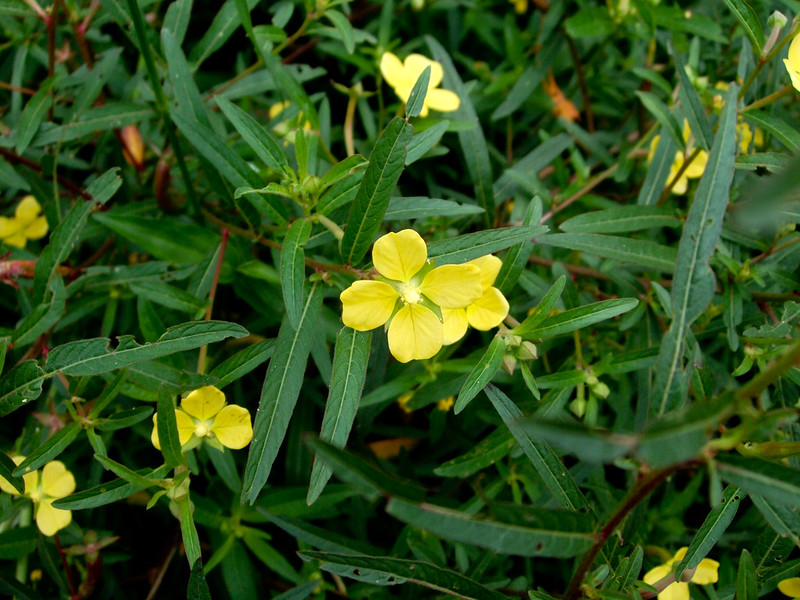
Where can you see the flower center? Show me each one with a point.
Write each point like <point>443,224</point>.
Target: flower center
<point>36,495</point>
<point>410,293</point>
<point>202,428</point>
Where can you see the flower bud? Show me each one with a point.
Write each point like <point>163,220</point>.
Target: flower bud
<point>132,146</point>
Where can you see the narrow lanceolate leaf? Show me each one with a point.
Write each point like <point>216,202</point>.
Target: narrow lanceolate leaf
<point>774,481</point>
<point>550,469</point>
<point>197,588</point>
<point>748,18</point>
<point>481,374</point>
<point>257,137</point>
<point>693,281</point>
<point>293,269</point>
<point>644,253</point>
<point>784,520</point>
<point>349,373</point>
<point>7,467</point>
<point>390,571</point>
<point>746,582</point>
<point>516,257</point>
<point>713,527</point>
<point>501,537</point>
<point>372,198</point>
<point>32,116</point>
<point>279,394</point>
<point>18,542</point>
<point>577,318</point>
<point>472,141</point>
<point>185,92</point>
<point>44,316</point>
<point>483,454</point>
<point>109,492</point>
<point>416,100</point>
<point>241,363</point>
<point>191,542</point>
<point>690,102</point>
<point>98,355</point>
<point>661,112</point>
<point>621,220</point>
<point>168,429</point>
<point>542,311</point>
<point>657,172</point>
<point>124,472</point>
<point>177,19</point>
<point>49,450</point>
<point>473,245</point>
<point>21,384</point>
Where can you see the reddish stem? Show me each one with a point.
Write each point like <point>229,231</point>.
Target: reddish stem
<point>72,592</point>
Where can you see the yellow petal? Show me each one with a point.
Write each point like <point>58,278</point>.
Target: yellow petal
<point>442,100</point>
<point>679,555</point>
<point>367,304</point>
<point>185,426</point>
<point>790,587</point>
<point>8,227</point>
<point>489,266</point>
<point>453,286</point>
<point>675,591</point>
<point>793,73</point>
<point>28,209</point>
<point>794,54</point>
<point>37,229</point>
<point>656,574</point>
<point>392,69</point>
<point>57,481</point>
<point>31,480</point>
<point>232,427</point>
<point>401,255</point>
<point>203,403</point>
<point>488,311</point>
<point>415,64</point>
<point>154,434</point>
<point>415,333</point>
<point>707,572</point>
<point>17,240</point>
<point>653,146</point>
<point>697,167</point>
<point>454,323</point>
<point>50,520</point>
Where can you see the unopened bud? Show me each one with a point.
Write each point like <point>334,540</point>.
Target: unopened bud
<point>777,19</point>
<point>132,146</point>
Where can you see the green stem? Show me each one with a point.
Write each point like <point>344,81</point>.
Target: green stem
<point>21,573</point>
<point>763,61</point>
<point>201,359</point>
<point>331,226</point>
<point>769,99</point>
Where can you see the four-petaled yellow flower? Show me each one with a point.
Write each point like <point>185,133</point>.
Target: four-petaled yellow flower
<point>695,168</point>
<point>204,415</point>
<point>26,224</point>
<point>792,62</point>
<point>790,587</point>
<point>486,312</point>
<point>403,75</point>
<point>704,573</point>
<point>407,295</point>
<point>53,482</point>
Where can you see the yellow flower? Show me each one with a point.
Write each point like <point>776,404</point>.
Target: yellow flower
<point>287,128</point>
<point>695,168</point>
<point>205,414</point>
<point>705,573</point>
<point>54,482</point>
<point>446,404</point>
<point>792,62</point>
<point>520,6</point>
<point>403,75</point>
<point>408,293</point>
<point>748,135</point>
<point>790,587</point>
<point>26,224</point>
<point>486,312</point>
<point>403,400</point>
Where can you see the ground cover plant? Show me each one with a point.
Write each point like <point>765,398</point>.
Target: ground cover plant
<point>367,299</point>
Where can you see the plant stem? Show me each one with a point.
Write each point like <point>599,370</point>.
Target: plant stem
<point>641,489</point>
<point>201,359</point>
<point>761,62</point>
<point>769,99</point>
<point>67,571</point>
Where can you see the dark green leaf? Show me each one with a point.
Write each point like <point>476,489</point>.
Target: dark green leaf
<point>424,141</point>
<point>168,429</point>
<point>663,115</point>
<point>746,582</point>
<point>543,309</point>
<point>481,373</point>
<point>644,253</point>
<point>106,493</point>
<point>257,137</point>
<point>620,220</point>
<point>416,99</point>
<point>469,246</point>
<point>419,207</point>
<point>577,318</point>
<point>197,588</point>
<point>690,103</point>
<point>293,269</point>
<point>481,455</point>
<point>20,385</point>
<point>775,482</point>
<point>33,115</point>
<point>18,543</point>
<point>49,450</point>
<point>748,18</point>
<point>241,363</point>
<point>7,467</point>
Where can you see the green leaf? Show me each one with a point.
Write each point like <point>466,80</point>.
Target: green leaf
<point>495,535</point>
<point>711,530</point>
<point>533,162</point>
<point>257,137</point>
<point>107,493</point>
<point>590,22</point>
<point>241,363</point>
<point>279,395</point>
<point>488,451</point>
<point>33,115</point>
<point>344,28</point>
<point>553,473</point>
<point>620,220</point>
<point>129,475</point>
<point>783,131</point>
<point>472,141</point>
<point>97,355</point>
<point>773,481</point>
<point>44,316</point>
<point>481,373</point>
<point>191,542</point>
<point>18,542</point>
<point>14,589</point>
<point>419,207</point>
<point>587,444</point>
<point>20,385</point>
<point>543,309</point>
<point>7,467</point>
<point>300,592</point>
<point>101,118</point>
<point>125,418</point>
<point>466,247</point>
<point>197,588</point>
<point>663,115</point>
<point>746,582</point>
<point>273,559</point>
<point>657,172</point>
<point>342,169</point>
<point>167,424</point>
<point>752,27</point>
<point>224,24</point>
<point>349,373</point>
<point>644,253</point>
<point>169,296</point>
<point>782,519</point>
<point>177,19</point>
<point>293,269</point>
<point>694,281</point>
<point>576,318</point>
<point>54,446</point>
<point>380,178</point>
<point>528,81</point>
<point>516,257</point>
<point>416,99</point>
<point>424,141</point>
<point>381,570</point>
<point>690,103</point>
<point>185,92</point>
